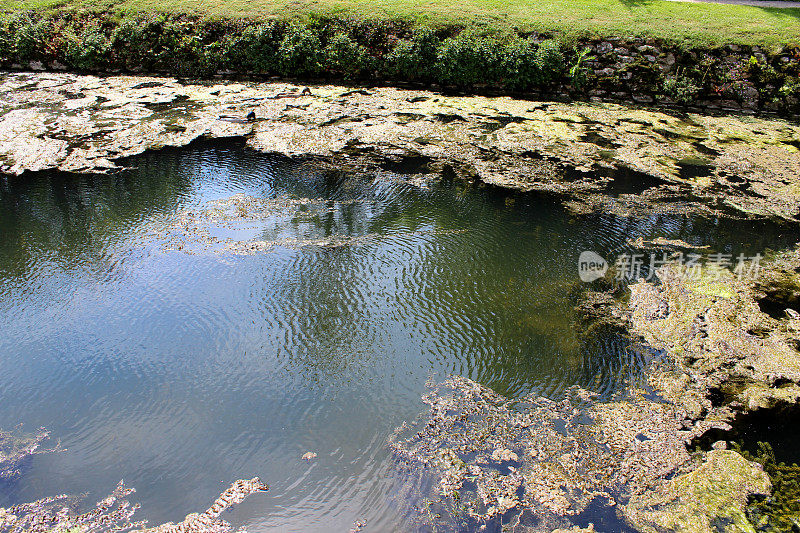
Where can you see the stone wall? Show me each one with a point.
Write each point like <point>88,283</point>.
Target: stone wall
<point>732,78</point>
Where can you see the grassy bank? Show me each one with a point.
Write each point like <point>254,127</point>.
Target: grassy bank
<point>698,24</point>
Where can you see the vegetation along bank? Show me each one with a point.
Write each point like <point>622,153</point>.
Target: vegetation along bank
<point>752,71</point>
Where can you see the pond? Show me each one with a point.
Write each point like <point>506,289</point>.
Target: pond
<point>157,348</point>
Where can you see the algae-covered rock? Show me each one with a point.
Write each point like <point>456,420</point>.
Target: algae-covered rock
<point>712,326</point>
<point>709,499</point>
<point>714,165</point>
<point>721,355</point>
<point>492,461</point>
<point>733,343</point>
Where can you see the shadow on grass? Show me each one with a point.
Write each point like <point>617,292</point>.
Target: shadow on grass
<point>777,12</point>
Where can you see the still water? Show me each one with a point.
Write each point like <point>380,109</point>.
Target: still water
<point>181,370</point>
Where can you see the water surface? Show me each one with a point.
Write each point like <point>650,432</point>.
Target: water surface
<point>181,372</point>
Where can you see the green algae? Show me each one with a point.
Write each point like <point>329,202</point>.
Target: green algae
<point>780,511</point>
<point>709,499</point>
<point>746,165</point>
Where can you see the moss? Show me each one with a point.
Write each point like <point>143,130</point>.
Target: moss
<point>709,499</point>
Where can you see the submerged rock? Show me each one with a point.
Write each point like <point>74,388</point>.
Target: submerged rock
<point>226,226</point>
<point>605,156</point>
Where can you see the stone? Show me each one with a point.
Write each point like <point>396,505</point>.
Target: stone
<point>647,49</point>
<point>604,47</point>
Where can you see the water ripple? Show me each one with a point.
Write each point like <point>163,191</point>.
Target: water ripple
<point>183,371</point>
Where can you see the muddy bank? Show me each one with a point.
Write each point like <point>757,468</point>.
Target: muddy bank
<point>598,156</point>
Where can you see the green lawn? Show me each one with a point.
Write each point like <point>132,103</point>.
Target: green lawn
<point>696,23</point>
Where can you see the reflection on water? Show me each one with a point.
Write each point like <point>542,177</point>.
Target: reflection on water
<point>183,371</point>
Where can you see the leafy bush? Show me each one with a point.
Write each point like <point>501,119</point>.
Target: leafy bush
<point>210,58</point>
<point>518,67</point>
<point>466,60</point>
<point>256,48</point>
<point>136,42</point>
<point>6,39</point>
<point>551,61</point>
<point>414,59</point>
<point>31,37</point>
<point>680,88</point>
<point>524,65</point>
<point>181,50</point>
<point>300,52</point>
<point>346,57</point>
<point>89,51</point>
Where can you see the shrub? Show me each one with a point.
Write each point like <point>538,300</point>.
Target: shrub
<point>518,67</point>
<point>209,58</point>
<point>300,52</point>
<point>414,59</point>
<point>550,59</point>
<point>31,37</point>
<point>6,39</point>
<point>89,51</point>
<point>256,49</point>
<point>466,60</point>
<point>346,57</point>
<point>136,42</point>
<point>680,88</point>
<point>524,65</point>
<point>180,49</point>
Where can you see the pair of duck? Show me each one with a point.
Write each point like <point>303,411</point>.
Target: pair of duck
<point>251,116</point>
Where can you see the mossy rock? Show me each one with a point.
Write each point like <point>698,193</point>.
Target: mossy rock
<point>711,498</point>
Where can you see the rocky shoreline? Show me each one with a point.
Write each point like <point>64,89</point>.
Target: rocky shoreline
<point>597,156</point>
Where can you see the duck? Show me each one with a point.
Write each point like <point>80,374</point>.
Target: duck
<point>305,92</point>
<point>250,117</point>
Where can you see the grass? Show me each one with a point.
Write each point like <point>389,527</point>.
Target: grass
<point>694,24</point>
